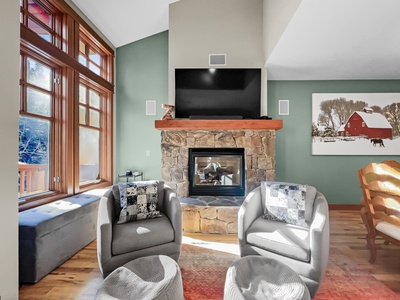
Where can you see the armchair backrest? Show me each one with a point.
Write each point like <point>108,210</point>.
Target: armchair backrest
<point>380,185</point>
<point>116,198</point>
<point>311,195</point>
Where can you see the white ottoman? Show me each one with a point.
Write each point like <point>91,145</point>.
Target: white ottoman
<point>151,277</point>
<point>262,278</point>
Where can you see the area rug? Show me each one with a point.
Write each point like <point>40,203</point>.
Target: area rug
<point>203,273</point>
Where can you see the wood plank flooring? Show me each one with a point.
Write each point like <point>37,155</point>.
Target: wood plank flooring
<point>79,277</point>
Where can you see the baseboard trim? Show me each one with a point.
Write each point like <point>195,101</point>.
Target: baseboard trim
<point>345,206</point>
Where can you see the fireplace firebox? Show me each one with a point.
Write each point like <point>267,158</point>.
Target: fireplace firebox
<point>216,172</point>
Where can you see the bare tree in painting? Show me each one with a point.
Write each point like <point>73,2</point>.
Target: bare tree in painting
<point>377,109</point>
<point>337,111</point>
<point>327,113</point>
<point>343,109</point>
<point>323,119</point>
<point>392,114</point>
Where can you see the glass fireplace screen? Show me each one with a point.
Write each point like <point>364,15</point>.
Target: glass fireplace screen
<point>216,171</point>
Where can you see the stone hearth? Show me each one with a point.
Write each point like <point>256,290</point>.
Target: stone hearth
<point>210,214</point>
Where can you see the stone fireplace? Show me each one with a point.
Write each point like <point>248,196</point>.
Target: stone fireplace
<point>258,145</point>
<point>256,138</point>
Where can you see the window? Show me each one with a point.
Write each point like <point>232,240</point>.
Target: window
<point>65,127</point>
<point>89,57</point>
<point>348,125</point>
<point>42,19</point>
<point>35,126</point>
<point>363,124</point>
<point>90,117</point>
<point>93,56</point>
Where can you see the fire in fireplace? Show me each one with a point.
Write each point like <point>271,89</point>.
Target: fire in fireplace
<point>216,172</point>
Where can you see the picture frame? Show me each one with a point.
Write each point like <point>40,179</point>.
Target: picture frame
<point>355,124</point>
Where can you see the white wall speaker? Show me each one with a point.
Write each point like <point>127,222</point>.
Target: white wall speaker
<point>284,107</point>
<point>150,107</point>
<point>217,59</point>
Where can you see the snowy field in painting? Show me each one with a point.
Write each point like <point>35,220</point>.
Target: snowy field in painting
<point>356,147</point>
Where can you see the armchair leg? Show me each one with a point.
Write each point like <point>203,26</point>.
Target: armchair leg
<point>372,247</point>
<point>367,223</point>
<point>367,246</point>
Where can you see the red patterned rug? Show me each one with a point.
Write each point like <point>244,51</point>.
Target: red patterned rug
<point>204,270</point>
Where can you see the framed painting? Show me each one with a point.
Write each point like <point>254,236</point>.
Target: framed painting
<point>355,124</point>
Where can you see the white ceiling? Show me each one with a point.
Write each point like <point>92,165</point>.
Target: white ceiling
<point>325,39</point>
<point>339,39</point>
<point>126,21</point>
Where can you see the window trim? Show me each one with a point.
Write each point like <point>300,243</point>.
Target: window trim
<point>68,27</point>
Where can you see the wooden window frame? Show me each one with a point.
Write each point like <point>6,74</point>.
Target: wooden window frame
<point>87,37</point>
<point>105,129</point>
<point>63,53</point>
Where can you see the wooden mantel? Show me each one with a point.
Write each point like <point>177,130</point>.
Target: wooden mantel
<point>185,124</point>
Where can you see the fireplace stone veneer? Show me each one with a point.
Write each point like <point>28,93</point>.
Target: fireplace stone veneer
<point>259,148</point>
<point>257,137</point>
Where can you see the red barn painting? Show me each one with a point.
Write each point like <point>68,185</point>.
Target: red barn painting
<point>367,123</point>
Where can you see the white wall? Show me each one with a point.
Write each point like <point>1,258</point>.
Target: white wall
<point>199,28</point>
<point>9,87</point>
<point>277,15</point>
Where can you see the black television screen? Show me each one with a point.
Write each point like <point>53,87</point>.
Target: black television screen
<point>217,93</point>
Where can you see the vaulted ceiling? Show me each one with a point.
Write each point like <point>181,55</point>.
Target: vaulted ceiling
<point>325,39</point>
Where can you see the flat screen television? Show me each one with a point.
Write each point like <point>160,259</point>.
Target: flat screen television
<point>217,93</point>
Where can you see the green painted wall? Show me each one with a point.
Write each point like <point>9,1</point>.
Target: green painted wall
<point>336,175</point>
<point>142,74</point>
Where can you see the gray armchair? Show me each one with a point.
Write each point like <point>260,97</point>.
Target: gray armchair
<point>118,244</point>
<point>305,250</point>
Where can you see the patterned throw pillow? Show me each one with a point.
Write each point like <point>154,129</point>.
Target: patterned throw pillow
<point>138,201</point>
<point>284,202</point>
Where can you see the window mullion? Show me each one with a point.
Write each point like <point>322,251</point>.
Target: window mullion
<point>58,142</point>
<point>23,83</point>
<point>87,115</point>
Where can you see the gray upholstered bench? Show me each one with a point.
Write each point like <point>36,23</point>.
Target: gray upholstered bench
<point>50,234</point>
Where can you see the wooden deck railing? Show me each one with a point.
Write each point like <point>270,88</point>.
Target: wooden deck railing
<point>33,178</point>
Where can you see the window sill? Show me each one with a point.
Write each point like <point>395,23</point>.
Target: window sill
<point>98,191</point>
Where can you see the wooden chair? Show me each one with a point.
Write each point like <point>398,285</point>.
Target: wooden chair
<point>380,184</point>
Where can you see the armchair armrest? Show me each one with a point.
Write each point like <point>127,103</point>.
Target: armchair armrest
<point>319,236</point>
<point>104,228</point>
<point>249,211</point>
<point>173,210</point>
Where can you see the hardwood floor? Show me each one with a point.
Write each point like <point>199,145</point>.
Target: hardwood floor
<point>79,277</point>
